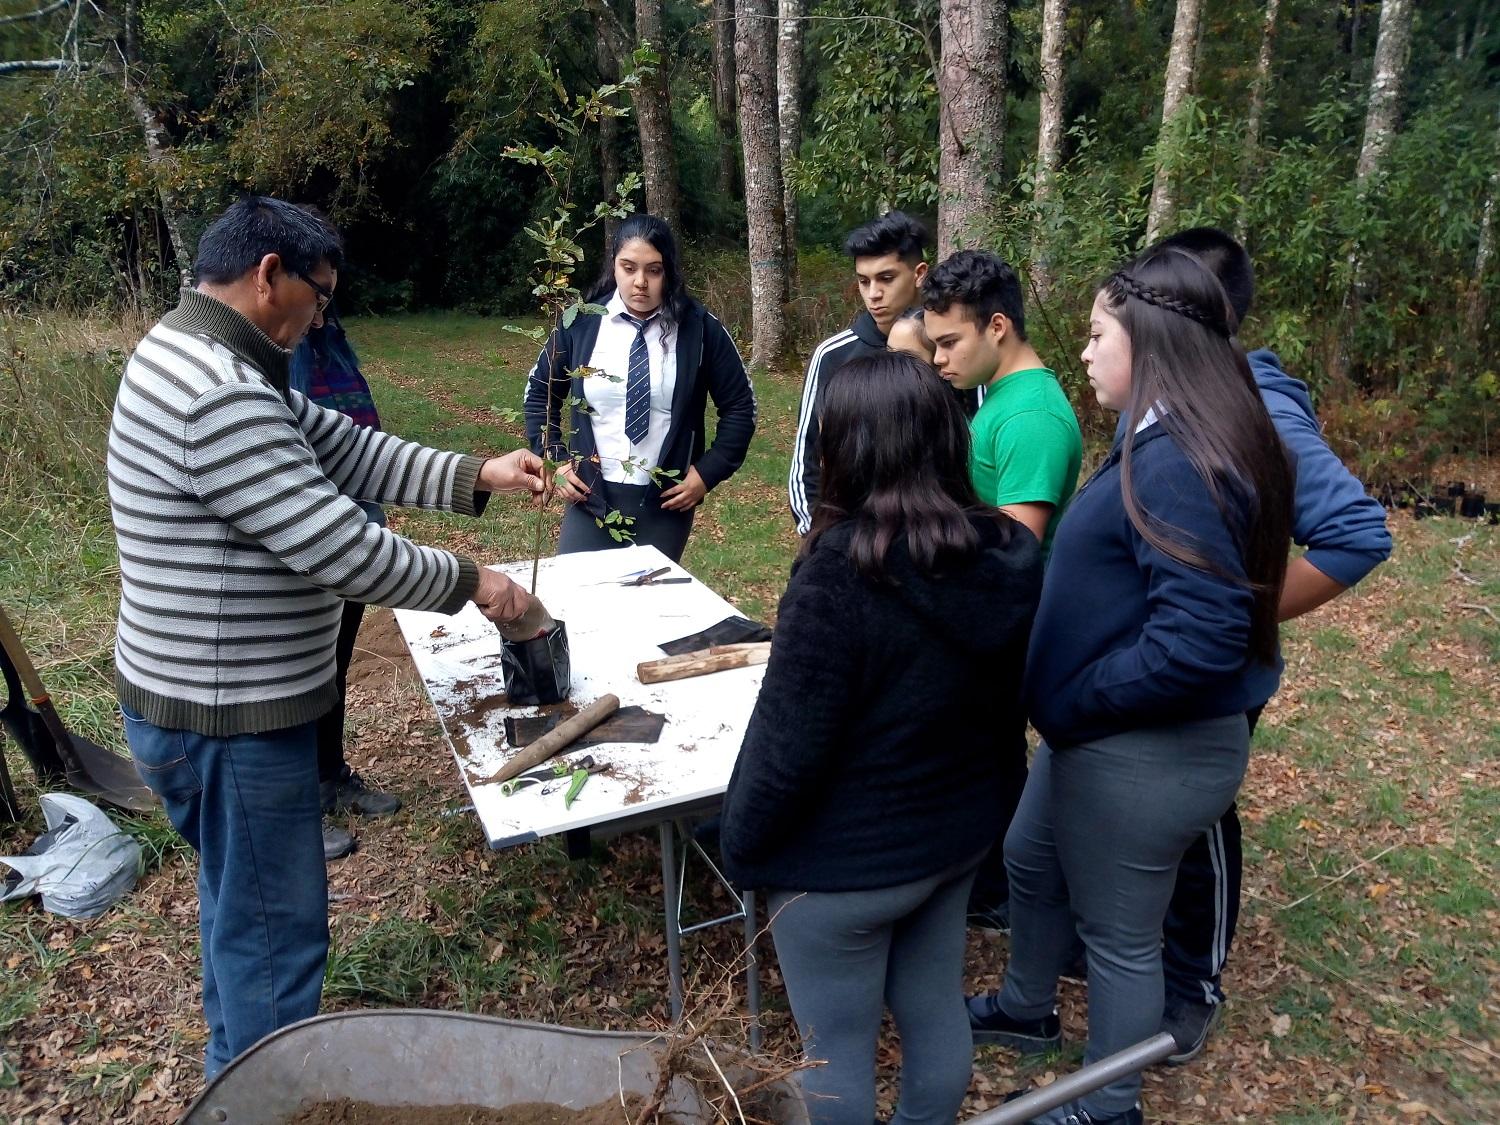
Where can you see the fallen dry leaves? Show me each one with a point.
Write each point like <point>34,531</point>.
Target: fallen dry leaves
<point>116,1034</point>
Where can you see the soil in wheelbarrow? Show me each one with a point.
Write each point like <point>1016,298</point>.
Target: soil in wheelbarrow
<point>344,1111</point>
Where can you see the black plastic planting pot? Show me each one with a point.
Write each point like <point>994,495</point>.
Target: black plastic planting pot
<point>539,670</point>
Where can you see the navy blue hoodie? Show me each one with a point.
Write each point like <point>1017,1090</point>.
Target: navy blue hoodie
<point>1126,636</point>
<point>1341,526</point>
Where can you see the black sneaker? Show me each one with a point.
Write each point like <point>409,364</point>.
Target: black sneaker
<point>995,917</point>
<point>1077,1115</point>
<point>1189,1023</point>
<point>990,1024</point>
<point>350,794</point>
<point>337,843</point>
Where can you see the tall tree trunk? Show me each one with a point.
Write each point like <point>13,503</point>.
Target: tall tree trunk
<point>1392,50</point>
<point>1179,81</point>
<point>1258,88</point>
<point>609,139</point>
<point>755,65</point>
<point>971,118</point>
<point>654,111</point>
<point>789,114</point>
<point>1478,307</point>
<point>724,99</point>
<point>158,142</point>
<point>1049,133</point>
<point>159,155</point>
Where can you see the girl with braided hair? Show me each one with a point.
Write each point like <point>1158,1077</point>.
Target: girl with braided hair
<point>1159,603</point>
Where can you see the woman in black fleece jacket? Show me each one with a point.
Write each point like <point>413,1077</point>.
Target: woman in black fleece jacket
<point>886,727</point>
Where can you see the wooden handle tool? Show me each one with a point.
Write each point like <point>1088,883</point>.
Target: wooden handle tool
<point>720,658</point>
<point>560,737</point>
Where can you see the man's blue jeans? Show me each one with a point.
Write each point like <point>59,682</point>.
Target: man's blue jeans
<point>248,804</point>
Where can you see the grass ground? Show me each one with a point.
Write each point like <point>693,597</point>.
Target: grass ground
<point>1363,983</point>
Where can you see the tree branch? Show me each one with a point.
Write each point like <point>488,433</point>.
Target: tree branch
<point>15,66</point>
<point>36,15</point>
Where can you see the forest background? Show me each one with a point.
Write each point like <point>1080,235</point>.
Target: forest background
<point>1352,143</point>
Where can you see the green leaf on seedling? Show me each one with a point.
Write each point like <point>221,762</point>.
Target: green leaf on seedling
<point>570,314</point>
<point>537,334</point>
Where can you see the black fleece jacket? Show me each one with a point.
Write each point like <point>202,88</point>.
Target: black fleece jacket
<point>708,365</point>
<point>889,714</point>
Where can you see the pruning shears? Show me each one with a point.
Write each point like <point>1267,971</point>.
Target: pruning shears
<point>553,777</point>
<point>651,577</point>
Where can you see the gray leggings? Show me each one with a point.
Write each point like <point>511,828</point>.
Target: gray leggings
<point>1097,839</point>
<point>844,958</point>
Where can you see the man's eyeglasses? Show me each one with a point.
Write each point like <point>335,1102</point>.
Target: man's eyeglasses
<point>324,295</point>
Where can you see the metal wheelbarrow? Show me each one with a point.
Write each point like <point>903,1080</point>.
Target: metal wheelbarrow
<point>417,1057</point>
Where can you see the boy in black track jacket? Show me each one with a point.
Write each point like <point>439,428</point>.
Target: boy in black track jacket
<point>887,255</point>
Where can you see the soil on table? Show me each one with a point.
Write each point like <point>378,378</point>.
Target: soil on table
<point>344,1111</point>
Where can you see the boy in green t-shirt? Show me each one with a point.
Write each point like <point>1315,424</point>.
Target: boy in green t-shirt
<point>1024,458</point>
<point>1027,448</point>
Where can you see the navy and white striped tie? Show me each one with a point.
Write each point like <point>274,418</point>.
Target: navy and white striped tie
<point>638,384</point>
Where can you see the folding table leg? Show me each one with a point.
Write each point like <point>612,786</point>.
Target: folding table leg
<point>752,969</point>
<point>672,893</point>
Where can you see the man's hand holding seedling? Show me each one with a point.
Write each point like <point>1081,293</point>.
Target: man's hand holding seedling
<point>517,471</point>
<point>498,598</point>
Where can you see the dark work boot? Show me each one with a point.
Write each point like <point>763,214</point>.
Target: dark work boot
<point>337,843</point>
<point>349,793</point>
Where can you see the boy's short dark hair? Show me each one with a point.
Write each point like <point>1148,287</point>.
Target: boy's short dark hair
<point>1225,258</point>
<point>895,232</point>
<point>258,225</point>
<point>980,281</point>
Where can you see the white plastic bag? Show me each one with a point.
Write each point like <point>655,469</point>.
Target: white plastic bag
<point>80,866</point>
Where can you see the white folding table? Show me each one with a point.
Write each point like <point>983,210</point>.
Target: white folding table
<point>611,628</point>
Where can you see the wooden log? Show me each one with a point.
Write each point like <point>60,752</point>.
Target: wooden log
<point>702,663</point>
<point>560,737</point>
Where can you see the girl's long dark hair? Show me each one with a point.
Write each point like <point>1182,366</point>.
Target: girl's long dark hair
<point>674,296</point>
<point>894,446</point>
<point>1187,366</point>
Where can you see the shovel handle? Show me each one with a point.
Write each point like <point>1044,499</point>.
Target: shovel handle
<point>12,645</point>
<point>39,698</point>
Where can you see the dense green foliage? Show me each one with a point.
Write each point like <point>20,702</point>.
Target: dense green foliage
<point>395,116</point>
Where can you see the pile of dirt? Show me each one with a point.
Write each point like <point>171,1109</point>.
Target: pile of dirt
<point>344,1111</point>
<point>380,655</point>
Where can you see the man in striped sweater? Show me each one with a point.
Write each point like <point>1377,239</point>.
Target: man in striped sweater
<point>234,505</point>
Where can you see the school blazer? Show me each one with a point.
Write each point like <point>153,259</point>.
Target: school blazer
<point>708,366</point>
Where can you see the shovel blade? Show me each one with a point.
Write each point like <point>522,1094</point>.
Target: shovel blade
<point>108,776</point>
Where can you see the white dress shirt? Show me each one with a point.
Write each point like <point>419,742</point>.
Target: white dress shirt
<point>606,397</point>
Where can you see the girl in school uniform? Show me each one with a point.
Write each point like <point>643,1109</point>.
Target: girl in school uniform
<point>645,369</point>
<point>1159,601</point>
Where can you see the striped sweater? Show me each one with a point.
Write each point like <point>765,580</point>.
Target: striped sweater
<point>233,505</point>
